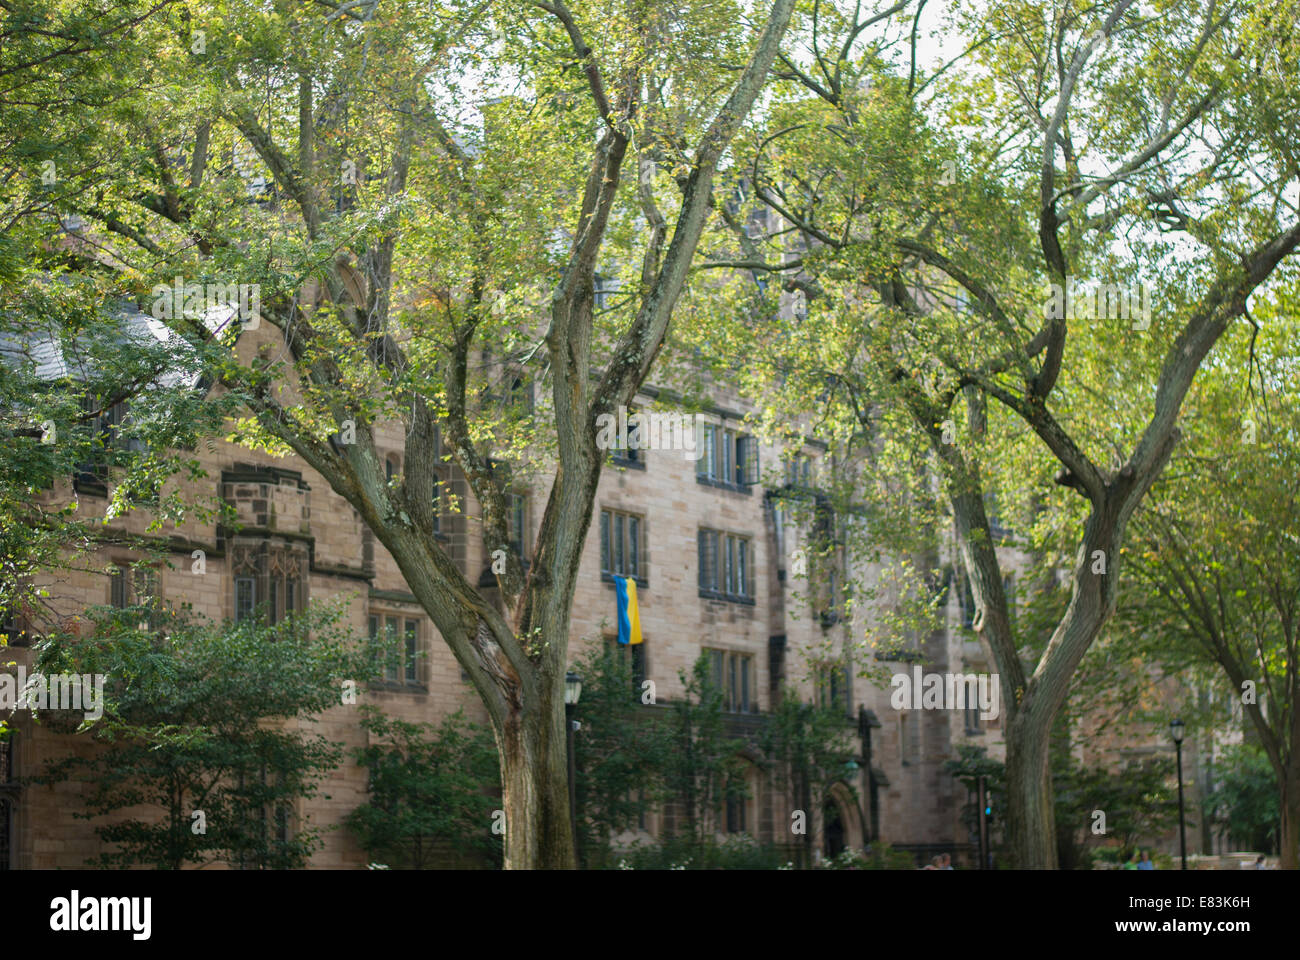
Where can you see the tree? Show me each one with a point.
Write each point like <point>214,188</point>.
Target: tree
<point>392,181</point>
<point>203,726</point>
<point>1138,801</point>
<point>973,762</point>
<point>806,747</point>
<point>1245,799</point>
<point>620,754</point>
<point>923,258</point>
<point>705,770</point>
<point>1216,566</point>
<point>427,788</point>
<point>68,347</point>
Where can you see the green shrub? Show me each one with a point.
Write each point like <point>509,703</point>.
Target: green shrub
<point>682,853</point>
<point>881,856</point>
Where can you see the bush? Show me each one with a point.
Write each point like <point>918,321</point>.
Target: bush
<point>879,856</point>
<point>683,853</point>
<point>426,796</point>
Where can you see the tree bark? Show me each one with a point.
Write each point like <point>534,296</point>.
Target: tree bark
<point>1289,810</point>
<point>535,787</point>
<point>1031,821</point>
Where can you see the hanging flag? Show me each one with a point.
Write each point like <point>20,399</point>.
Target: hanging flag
<point>629,616</point>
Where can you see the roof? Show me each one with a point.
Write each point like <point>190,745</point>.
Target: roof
<point>49,356</point>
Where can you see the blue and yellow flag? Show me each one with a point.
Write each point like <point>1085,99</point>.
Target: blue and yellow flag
<point>629,616</point>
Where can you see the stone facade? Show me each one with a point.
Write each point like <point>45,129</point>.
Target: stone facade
<point>299,542</point>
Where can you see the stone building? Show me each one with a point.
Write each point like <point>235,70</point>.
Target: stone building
<point>707,542</point>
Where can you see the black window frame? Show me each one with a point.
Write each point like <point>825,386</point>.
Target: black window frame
<point>623,539</point>
<point>728,458</point>
<point>725,560</point>
<point>739,688</point>
<point>248,611</point>
<point>133,584</point>
<point>519,523</point>
<point>399,667</point>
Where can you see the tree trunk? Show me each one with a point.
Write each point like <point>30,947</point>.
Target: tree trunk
<point>1289,810</point>
<point>535,788</point>
<point>1031,821</point>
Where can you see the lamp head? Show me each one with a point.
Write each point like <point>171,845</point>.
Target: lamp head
<point>572,689</point>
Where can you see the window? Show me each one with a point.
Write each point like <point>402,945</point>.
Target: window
<point>282,824</point>
<point>400,659</point>
<point>733,674</point>
<point>972,712</point>
<point>518,524</point>
<point>284,588</point>
<point>118,596</point>
<point>622,545</point>
<point>146,594</point>
<point>245,597</point>
<point>602,292</point>
<point>520,396</point>
<point>136,587</point>
<point>633,657</point>
<point>909,736</point>
<point>107,425</point>
<point>392,655</point>
<point>961,300</point>
<point>727,457</point>
<point>632,452</point>
<point>270,581</point>
<point>726,565</point>
<point>12,626</point>
<point>798,471</point>
<point>391,467</point>
<point>833,687</point>
<point>411,652</point>
<point>998,529</point>
<point>271,827</point>
<point>735,814</point>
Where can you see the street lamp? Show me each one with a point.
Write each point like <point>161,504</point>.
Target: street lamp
<point>572,689</point>
<point>1176,730</point>
<point>572,693</point>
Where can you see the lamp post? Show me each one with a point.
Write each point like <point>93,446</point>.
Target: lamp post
<point>985,802</point>
<point>867,720</point>
<point>1176,730</point>
<point>572,693</point>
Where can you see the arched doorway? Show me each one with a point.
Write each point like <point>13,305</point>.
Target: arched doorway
<point>832,829</point>
<point>842,826</point>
